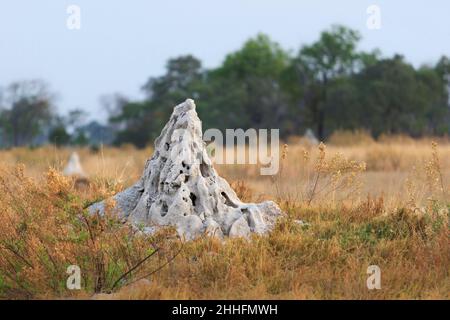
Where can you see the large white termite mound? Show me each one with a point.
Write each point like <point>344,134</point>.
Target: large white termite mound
<point>179,187</point>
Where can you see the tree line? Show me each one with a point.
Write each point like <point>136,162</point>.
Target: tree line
<point>28,117</point>
<point>327,85</point>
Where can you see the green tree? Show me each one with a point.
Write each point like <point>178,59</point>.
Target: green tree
<point>75,119</point>
<point>396,98</point>
<point>28,110</point>
<point>253,75</point>
<point>80,139</point>
<point>143,120</point>
<point>318,65</point>
<point>328,85</point>
<point>59,136</point>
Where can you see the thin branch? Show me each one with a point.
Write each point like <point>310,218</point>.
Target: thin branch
<point>314,188</point>
<point>160,267</point>
<point>10,248</point>
<point>133,268</point>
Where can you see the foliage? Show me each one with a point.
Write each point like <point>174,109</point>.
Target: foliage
<point>59,136</point>
<point>356,218</point>
<point>45,229</point>
<point>27,109</point>
<point>329,85</point>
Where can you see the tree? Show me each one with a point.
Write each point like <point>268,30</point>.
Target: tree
<point>443,70</point>
<point>75,119</point>
<point>317,65</point>
<point>142,121</point>
<point>80,139</point>
<point>396,98</point>
<point>254,73</point>
<point>181,72</point>
<point>59,136</point>
<point>28,109</point>
<point>328,85</point>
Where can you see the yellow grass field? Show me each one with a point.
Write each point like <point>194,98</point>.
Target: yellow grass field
<point>365,203</point>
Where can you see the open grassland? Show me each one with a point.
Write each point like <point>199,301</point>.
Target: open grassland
<point>382,203</point>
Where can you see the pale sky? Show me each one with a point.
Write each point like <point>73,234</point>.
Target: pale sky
<point>122,43</point>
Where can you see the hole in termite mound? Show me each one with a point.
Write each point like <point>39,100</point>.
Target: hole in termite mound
<point>204,170</point>
<point>228,202</point>
<point>193,198</point>
<point>164,209</point>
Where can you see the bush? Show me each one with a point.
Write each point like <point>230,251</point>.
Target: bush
<point>45,229</point>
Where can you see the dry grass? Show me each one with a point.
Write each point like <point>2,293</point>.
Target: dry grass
<point>385,203</point>
<point>45,229</point>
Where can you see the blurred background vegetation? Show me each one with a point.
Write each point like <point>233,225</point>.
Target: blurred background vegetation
<point>327,86</point>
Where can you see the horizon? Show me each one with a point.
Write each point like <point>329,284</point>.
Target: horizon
<point>83,65</point>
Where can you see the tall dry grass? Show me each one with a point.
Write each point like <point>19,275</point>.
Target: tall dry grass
<point>384,202</point>
<point>45,229</point>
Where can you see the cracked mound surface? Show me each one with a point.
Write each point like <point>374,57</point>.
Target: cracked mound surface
<point>180,187</point>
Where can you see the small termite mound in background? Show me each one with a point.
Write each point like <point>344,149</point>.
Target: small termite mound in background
<point>74,170</point>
